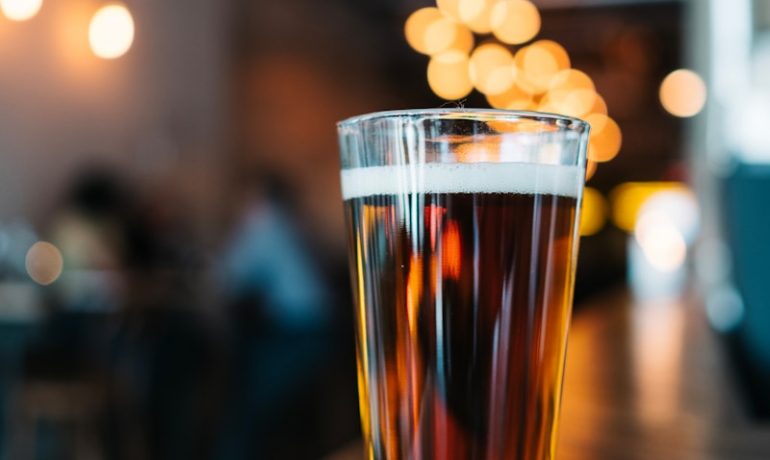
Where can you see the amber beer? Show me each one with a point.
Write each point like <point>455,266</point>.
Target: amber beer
<point>463,279</point>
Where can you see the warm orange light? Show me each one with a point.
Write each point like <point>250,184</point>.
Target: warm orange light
<point>111,32</point>
<point>571,79</point>
<point>429,31</point>
<point>513,99</point>
<point>463,40</point>
<point>491,68</point>
<point>537,65</point>
<point>628,198</point>
<point>44,263</point>
<point>683,93</point>
<point>605,140</point>
<point>450,8</point>
<point>591,167</point>
<point>476,14</point>
<point>20,10</point>
<point>448,75</point>
<point>593,214</point>
<point>515,21</point>
<point>574,103</point>
<point>600,106</point>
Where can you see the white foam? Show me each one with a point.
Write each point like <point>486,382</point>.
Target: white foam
<point>523,178</point>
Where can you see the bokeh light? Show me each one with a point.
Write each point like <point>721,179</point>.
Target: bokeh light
<point>44,263</point>
<point>683,93</point>
<point>476,14</point>
<point>593,214</point>
<point>111,32</point>
<point>724,308</point>
<point>628,198</point>
<point>513,99</point>
<point>571,79</point>
<point>661,241</point>
<point>600,106</point>
<point>429,31</point>
<point>450,8</point>
<point>491,68</point>
<point>537,77</point>
<point>574,103</point>
<point>538,64</point>
<point>591,167</point>
<point>463,39</point>
<point>20,10</point>
<point>448,75</point>
<point>605,140</point>
<point>515,21</point>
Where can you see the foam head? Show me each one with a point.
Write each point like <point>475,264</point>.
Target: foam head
<point>521,178</point>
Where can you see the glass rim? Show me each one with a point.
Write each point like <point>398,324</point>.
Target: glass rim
<point>564,122</point>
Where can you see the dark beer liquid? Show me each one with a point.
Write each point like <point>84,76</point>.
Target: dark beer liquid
<point>462,302</point>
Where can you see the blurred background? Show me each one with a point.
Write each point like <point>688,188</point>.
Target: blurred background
<point>173,270</point>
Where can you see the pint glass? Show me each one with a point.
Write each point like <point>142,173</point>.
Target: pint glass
<point>462,228</point>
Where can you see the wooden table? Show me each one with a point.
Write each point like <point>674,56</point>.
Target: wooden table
<point>648,381</point>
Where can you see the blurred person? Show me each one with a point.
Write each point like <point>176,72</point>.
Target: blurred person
<point>279,307</point>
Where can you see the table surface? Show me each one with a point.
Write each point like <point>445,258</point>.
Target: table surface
<point>648,381</point>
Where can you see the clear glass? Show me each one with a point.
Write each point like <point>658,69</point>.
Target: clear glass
<point>462,228</point>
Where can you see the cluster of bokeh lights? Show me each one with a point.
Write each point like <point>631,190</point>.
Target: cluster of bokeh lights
<point>536,76</point>
<point>110,32</point>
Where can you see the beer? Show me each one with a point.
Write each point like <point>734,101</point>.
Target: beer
<point>462,277</point>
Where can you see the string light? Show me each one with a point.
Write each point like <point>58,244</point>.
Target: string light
<point>20,10</point>
<point>111,32</point>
